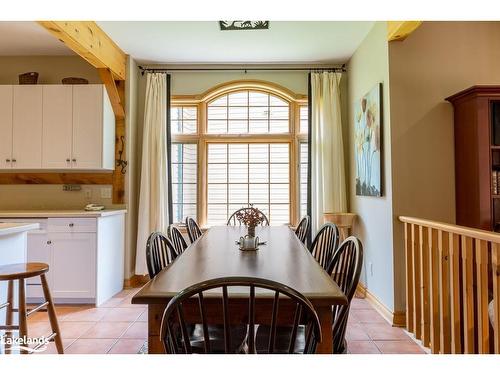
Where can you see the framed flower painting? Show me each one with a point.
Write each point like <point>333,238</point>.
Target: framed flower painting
<point>367,143</point>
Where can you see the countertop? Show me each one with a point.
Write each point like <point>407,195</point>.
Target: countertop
<point>60,213</point>
<point>11,228</point>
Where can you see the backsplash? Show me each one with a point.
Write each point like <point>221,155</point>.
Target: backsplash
<point>38,197</point>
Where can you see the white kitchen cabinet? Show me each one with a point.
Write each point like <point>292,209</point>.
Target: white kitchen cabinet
<point>5,126</point>
<point>27,127</point>
<point>93,128</point>
<point>57,126</point>
<point>40,251</point>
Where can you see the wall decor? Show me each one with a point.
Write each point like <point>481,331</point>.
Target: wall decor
<point>367,133</point>
<point>243,25</point>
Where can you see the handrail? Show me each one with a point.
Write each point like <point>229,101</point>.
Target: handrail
<point>453,228</point>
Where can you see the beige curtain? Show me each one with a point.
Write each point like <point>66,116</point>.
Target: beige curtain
<point>328,183</point>
<point>153,198</point>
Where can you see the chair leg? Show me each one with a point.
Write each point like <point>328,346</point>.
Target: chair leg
<point>23,324</point>
<point>52,315</point>
<point>9,314</point>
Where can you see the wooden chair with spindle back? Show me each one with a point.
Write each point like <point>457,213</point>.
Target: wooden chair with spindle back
<point>160,252</point>
<point>234,221</point>
<point>176,339</point>
<point>303,229</point>
<point>345,270</point>
<point>175,236</point>
<point>324,245</point>
<point>194,231</point>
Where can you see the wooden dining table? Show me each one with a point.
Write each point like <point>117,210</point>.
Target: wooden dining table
<point>283,258</point>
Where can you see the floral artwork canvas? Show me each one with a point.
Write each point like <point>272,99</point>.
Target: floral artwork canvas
<point>367,120</point>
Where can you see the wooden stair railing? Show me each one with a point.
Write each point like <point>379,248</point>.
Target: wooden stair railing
<point>452,274</point>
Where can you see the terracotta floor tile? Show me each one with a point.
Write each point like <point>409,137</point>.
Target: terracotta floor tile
<point>112,302</point>
<point>123,314</point>
<point>127,346</point>
<point>138,330</point>
<point>360,304</point>
<point>63,310</point>
<point>126,302</point>
<point>143,317</point>
<point>362,347</point>
<point>124,293</point>
<point>383,331</point>
<point>51,347</point>
<point>74,330</point>
<point>39,329</point>
<point>88,315</point>
<point>355,332</point>
<point>367,316</point>
<point>106,330</point>
<point>399,347</point>
<point>91,346</point>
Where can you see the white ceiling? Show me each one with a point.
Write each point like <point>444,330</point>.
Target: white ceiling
<point>27,38</point>
<point>203,42</point>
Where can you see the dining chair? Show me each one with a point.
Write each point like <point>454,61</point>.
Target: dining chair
<point>194,231</point>
<point>175,236</point>
<point>324,245</point>
<point>160,252</point>
<point>345,270</point>
<point>303,229</point>
<point>176,339</point>
<point>234,221</point>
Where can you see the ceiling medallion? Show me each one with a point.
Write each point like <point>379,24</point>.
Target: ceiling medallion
<point>243,25</point>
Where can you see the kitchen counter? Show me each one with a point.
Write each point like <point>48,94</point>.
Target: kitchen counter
<point>60,213</point>
<point>11,228</point>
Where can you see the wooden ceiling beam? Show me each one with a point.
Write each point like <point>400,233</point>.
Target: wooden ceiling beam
<point>399,30</point>
<point>88,40</point>
<point>114,96</point>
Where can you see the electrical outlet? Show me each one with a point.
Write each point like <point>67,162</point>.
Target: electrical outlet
<point>106,192</point>
<point>87,193</point>
<point>370,266</point>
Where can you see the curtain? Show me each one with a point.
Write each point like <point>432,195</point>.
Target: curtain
<point>153,195</point>
<point>326,161</point>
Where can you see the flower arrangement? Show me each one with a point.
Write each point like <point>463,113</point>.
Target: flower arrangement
<point>251,217</point>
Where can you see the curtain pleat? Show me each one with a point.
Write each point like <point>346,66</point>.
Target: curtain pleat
<point>153,195</point>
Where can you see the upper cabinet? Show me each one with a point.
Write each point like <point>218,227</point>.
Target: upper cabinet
<point>53,127</point>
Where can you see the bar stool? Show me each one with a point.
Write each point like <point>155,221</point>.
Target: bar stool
<point>20,272</point>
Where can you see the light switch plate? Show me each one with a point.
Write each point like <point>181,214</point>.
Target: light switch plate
<point>106,192</point>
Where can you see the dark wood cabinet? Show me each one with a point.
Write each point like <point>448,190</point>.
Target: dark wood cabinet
<point>477,156</point>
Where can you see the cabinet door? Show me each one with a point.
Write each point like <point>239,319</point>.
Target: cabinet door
<point>57,126</point>
<point>5,126</point>
<point>73,265</point>
<point>87,126</point>
<point>27,127</point>
<point>39,250</point>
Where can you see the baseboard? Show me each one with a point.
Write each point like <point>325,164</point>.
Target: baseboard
<point>136,281</point>
<point>396,318</point>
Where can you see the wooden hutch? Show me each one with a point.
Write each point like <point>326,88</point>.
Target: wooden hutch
<point>477,156</point>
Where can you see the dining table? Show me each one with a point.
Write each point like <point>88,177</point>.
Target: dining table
<point>282,258</point>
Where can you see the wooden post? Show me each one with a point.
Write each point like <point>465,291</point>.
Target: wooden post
<point>409,279</point>
<point>468,294</point>
<point>434,290</point>
<point>456,341</point>
<point>444,293</point>
<point>424,280</point>
<point>483,324</point>
<point>417,297</point>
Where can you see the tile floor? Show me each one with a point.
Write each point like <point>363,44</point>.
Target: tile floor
<point>118,327</point>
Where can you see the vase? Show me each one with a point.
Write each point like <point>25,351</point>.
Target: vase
<point>251,231</point>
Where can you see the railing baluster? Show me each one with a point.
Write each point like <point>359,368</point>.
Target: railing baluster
<point>434,289</point>
<point>409,279</point>
<point>416,273</point>
<point>483,324</point>
<point>456,341</point>
<point>468,294</point>
<point>424,281</point>
<point>444,293</point>
<point>495,260</point>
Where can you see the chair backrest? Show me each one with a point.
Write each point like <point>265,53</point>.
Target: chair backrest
<point>159,253</point>
<point>234,221</point>
<point>175,236</point>
<point>345,270</point>
<point>194,231</point>
<point>325,243</point>
<point>174,330</point>
<point>303,229</point>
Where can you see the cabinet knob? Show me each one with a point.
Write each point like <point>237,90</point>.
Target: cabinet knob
<point>71,225</point>
<point>49,242</point>
<point>68,160</point>
<point>73,160</point>
<point>14,160</point>
<point>7,160</point>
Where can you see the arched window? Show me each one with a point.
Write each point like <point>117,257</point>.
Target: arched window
<point>238,144</point>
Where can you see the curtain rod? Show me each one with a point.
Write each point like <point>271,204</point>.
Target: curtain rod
<point>243,69</point>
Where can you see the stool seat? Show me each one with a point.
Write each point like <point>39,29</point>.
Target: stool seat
<point>22,270</point>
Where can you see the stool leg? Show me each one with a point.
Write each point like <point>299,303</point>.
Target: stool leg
<point>52,315</point>
<point>9,313</point>
<point>23,324</point>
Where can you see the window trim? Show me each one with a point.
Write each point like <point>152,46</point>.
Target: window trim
<point>202,138</point>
